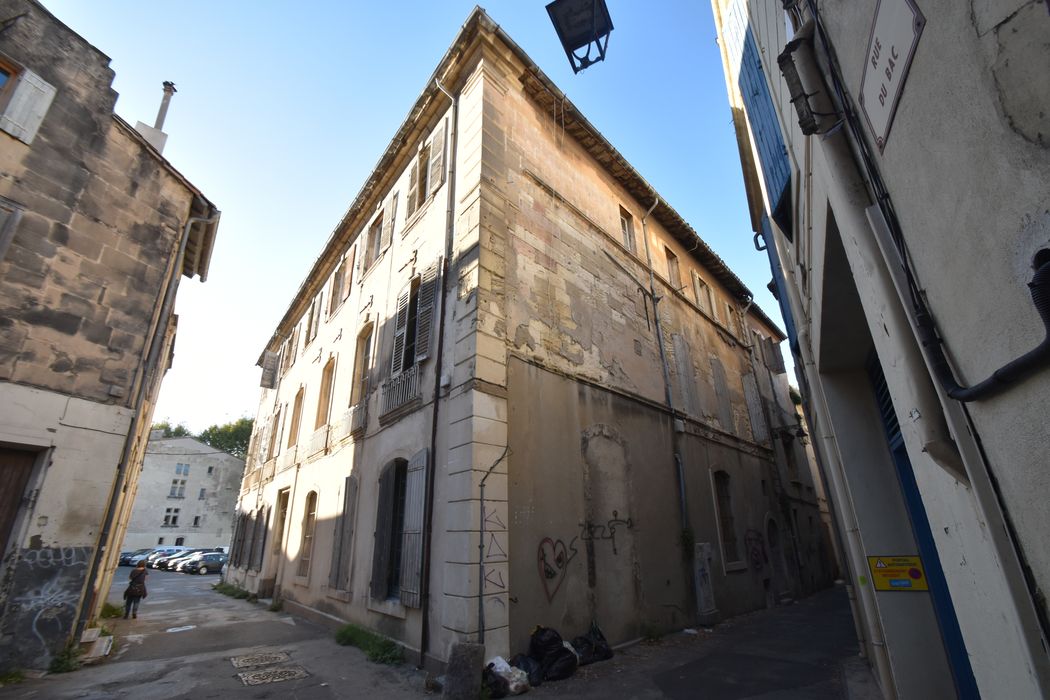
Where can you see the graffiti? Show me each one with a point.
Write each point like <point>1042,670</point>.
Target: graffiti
<point>494,578</point>
<point>45,594</point>
<point>57,557</point>
<point>589,532</point>
<point>492,518</point>
<point>553,558</point>
<point>756,550</point>
<point>494,549</point>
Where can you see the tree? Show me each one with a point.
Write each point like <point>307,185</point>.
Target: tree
<point>171,431</point>
<point>229,437</point>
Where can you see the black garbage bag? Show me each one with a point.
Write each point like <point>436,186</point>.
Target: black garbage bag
<point>497,685</point>
<point>560,664</point>
<point>531,667</point>
<point>543,642</point>
<point>602,650</point>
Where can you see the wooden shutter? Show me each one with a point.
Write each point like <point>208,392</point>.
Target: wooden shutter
<point>384,519</point>
<point>773,356</point>
<point>397,358</point>
<point>27,107</point>
<point>339,578</point>
<point>348,274</point>
<point>389,214</point>
<point>269,370</point>
<point>413,190</point>
<point>437,157</point>
<point>426,305</point>
<point>759,429</point>
<point>412,548</point>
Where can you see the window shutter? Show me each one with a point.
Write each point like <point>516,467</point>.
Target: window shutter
<point>412,549</point>
<point>437,157</point>
<point>28,105</point>
<point>775,358</point>
<point>397,358</point>
<point>348,275</point>
<point>413,187</point>
<point>384,518</point>
<point>389,211</point>
<point>759,429</point>
<point>269,370</point>
<point>339,578</point>
<point>426,303</point>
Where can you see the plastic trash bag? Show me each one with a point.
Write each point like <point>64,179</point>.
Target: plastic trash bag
<point>496,684</point>
<point>543,642</point>
<point>531,667</point>
<point>560,664</point>
<point>592,646</point>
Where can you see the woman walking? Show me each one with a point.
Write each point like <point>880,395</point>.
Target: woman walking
<point>136,590</point>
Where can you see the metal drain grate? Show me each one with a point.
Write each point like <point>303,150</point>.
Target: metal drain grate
<point>264,658</point>
<point>272,675</point>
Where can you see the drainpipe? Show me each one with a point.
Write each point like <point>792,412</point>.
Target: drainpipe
<point>428,508</point>
<point>668,397</point>
<point>148,371</point>
<point>481,550</point>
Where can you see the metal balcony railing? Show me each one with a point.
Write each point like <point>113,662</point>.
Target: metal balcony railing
<point>286,459</point>
<point>399,391</point>
<point>269,468</point>
<point>318,441</point>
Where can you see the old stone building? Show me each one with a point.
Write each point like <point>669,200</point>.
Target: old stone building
<point>516,388</point>
<point>186,495</point>
<point>96,231</point>
<point>897,167</point>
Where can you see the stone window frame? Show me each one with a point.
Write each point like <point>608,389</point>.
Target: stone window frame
<point>24,101</point>
<point>306,545</point>
<point>627,231</point>
<point>11,213</point>
<point>722,492</point>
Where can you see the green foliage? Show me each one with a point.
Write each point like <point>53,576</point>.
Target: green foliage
<point>231,590</point>
<point>276,605</point>
<point>796,397</point>
<point>105,632</point>
<point>171,431</point>
<point>378,649</point>
<point>110,611</point>
<point>11,677</point>
<point>66,660</point>
<point>229,437</point>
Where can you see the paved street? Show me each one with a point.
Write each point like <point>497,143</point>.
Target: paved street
<point>182,644</point>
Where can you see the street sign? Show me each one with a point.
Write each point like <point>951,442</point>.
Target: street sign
<point>893,573</point>
<point>895,33</point>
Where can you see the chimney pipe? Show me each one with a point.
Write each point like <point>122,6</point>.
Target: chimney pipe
<point>169,90</point>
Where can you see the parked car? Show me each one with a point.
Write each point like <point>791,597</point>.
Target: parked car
<point>136,558</point>
<point>166,561</point>
<point>202,563</point>
<point>159,552</point>
<point>125,557</point>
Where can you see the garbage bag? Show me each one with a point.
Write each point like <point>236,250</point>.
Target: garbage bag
<point>544,642</point>
<point>497,685</point>
<point>592,646</point>
<point>532,668</point>
<point>517,680</point>
<point>560,664</point>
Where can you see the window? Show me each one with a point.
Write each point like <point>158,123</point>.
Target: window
<point>673,275</point>
<point>282,518</point>
<point>297,414</point>
<point>24,100</point>
<point>342,282</point>
<point>10,214</point>
<point>274,446</point>
<point>200,497</point>
<point>398,555</point>
<point>428,171</point>
<point>374,242</point>
<point>731,318</point>
<point>183,469</point>
<point>313,322</point>
<point>362,361</point>
<point>196,521</point>
<point>307,544</point>
<point>339,575</point>
<point>160,540</point>
<point>627,230</point>
<point>171,517</point>
<point>730,550</point>
<point>178,488</point>
<point>415,316</point>
<point>702,292</point>
<point>179,541</point>
<point>211,470</point>
<point>324,400</point>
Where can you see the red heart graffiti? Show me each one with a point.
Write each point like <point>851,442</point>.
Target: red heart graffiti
<point>553,559</point>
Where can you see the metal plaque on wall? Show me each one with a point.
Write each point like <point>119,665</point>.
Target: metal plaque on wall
<point>895,33</point>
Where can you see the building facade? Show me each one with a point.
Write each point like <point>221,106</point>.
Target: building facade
<point>96,231</point>
<point>187,495</point>
<point>475,421</point>
<point>897,167</point>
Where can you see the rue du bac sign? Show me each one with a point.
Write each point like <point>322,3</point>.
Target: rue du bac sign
<point>894,35</point>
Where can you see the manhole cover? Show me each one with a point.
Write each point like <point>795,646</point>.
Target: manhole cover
<point>261,659</point>
<point>272,675</point>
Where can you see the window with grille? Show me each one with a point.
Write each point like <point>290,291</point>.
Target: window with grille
<point>307,545</point>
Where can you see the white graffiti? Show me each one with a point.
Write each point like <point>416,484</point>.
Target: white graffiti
<point>48,601</point>
<point>55,557</point>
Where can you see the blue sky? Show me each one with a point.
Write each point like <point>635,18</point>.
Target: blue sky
<point>283,109</point>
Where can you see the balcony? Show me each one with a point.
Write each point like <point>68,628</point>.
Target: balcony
<point>399,392</point>
<point>352,422</point>
<point>286,459</point>
<point>268,469</point>
<point>318,442</point>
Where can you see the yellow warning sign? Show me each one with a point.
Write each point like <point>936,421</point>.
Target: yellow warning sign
<point>898,573</point>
